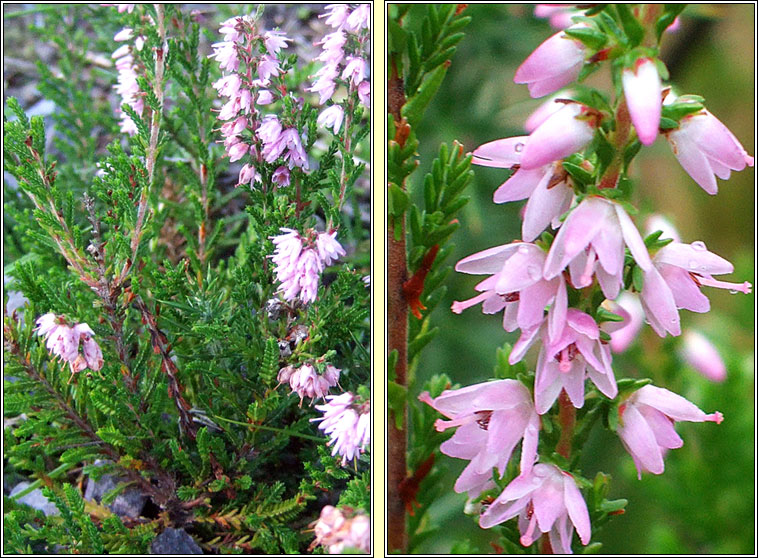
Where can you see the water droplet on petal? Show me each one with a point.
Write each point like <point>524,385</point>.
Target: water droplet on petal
<point>699,245</point>
<point>519,147</point>
<point>673,320</point>
<point>732,291</point>
<point>524,249</point>
<point>692,264</point>
<point>534,272</point>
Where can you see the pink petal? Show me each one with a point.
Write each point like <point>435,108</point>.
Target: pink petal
<point>576,508</point>
<point>502,153</point>
<point>519,186</point>
<point>522,269</point>
<point>544,205</point>
<point>693,257</point>
<point>685,291</point>
<point>640,441</point>
<point>693,160</point>
<point>557,315</point>
<point>522,345</point>
<point>533,301</point>
<point>633,239</point>
<point>559,136</point>
<point>487,261</point>
<point>672,405</point>
<point>659,304</point>
<point>662,427</point>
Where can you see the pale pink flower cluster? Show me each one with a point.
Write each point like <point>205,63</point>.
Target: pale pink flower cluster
<point>128,87</point>
<point>64,341</point>
<point>347,422</point>
<point>129,8</point>
<point>245,90</point>
<point>592,243</point>
<point>339,66</point>
<point>342,529</point>
<point>307,382</point>
<point>300,260</point>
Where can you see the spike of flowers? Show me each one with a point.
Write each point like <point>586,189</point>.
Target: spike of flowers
<point>347,422</point>
<point>300,260</point>
<point>307,382</point>
<point>128,87</point>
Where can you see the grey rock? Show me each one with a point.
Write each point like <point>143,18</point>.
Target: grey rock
<point>174,541</point>
<point>35,499</point>
<point>128,503</point>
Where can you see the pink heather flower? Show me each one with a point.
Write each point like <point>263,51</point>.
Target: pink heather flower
<point>566,360</point>
<point>548,188</point>
<point>270,129</point>
<point>296,155</point>
<point>225,54</point>
<point>281,177</point>
<point>275,41</point>
<point>124,35</point>
<point>121,7</point>
<point>331,117</point>
<point>516,284</point>
<point>555,63</point>
<point>355,70</point>
<point>564,132</point>
<point>674,281</point>
<point>228,86</point>
<point>359,18</point>
<point>63,341</point>
<point>347,423</point>
<point>595,233</point>
<point>339,532</point>
<point>331,46</point>
<point>307,272</point>
<point>265,97</point>
<point>491,418</point>
<point>623,334</point>
<point>702,355</point>
<point>231,29</point>
<point>267,66</point>
<point>364,93</point>
<point>237,151</point>
<point>705,147</point>
<point>336,15</point>
<point>646,425</point>
<point>307,382</point>
<point>329,250</point>
<point>642,90</point>
<point>325,85</point>
<point>546,500</point>
<point>247,175</point>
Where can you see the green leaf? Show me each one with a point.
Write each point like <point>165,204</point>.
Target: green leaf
<point>589,36</point>
<point>632,27</point>
<point>397,200</point>
<point>397,396</point>
<point>414,108</point>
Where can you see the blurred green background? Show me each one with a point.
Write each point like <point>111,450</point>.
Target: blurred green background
<point>704,502</point>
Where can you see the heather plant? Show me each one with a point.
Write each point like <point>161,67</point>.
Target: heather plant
<point>577,286</point>
<point>187,263</point>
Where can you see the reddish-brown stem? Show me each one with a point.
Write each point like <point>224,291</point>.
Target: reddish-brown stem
<point>545,546</point>
<point>620,138</point>
<point>567,420</point>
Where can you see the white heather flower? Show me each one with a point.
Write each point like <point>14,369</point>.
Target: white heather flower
<point>124,35</point>
<point>337,531</point>
<point>331,117</point>
<point>347,423</point>
<point>329,250</point>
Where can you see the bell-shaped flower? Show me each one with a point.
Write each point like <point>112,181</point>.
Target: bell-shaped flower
<point>517,285</point>
<point>674,281</point>
<point>545,110</point>
<point>331,117</point>
<point>546,500</point>
<point>548,188</point>
<point>642,91</point>
<point>564,132</point>
<point>702,355</point>
<point>705,147</point>
<point>646,425</point>
<point>491,418</point>
<point>566,360</point>
<point>553,64</point>
<point>595,233</point>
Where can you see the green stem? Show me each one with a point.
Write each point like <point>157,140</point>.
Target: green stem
<point>55,473</point>
<point>271,428</point>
